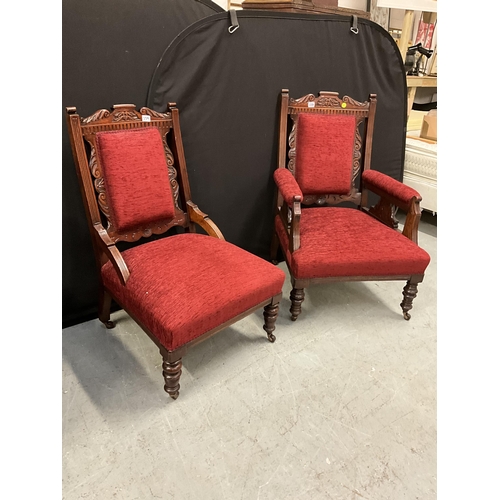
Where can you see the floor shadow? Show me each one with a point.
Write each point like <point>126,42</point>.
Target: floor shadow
<point>106,366</point>
<point>121,369</point>
<point>356,295</point>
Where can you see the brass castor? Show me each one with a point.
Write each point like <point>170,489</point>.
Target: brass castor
<point>270,315</point>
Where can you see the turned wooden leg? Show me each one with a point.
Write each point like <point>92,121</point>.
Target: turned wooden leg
<point>270,315</point>
<point>105,308</point>
<point>409,293</point>
<point>275,243</point>
<point>297,296</point>
<point>172,373</point>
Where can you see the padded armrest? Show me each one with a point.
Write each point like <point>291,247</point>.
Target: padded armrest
<point>287,185</point>
<point>385,186</point>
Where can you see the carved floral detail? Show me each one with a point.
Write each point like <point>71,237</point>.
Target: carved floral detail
<point>99,183</point>
<point>325,101</point>
<point>119,116</point>
<point>154,114</point>
<point>303,99</point>
<point>292,152</point>
<point>353,102</point>
<point>172,173</point>
<point>309,199</point>
<point>157,228</point>
<point>332,199</point>
<point>356,156</point>
<point>328,102</point>
<point>98,115</point>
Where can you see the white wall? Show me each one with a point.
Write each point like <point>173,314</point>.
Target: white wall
<point>353,4</point>
<point>222,3</point>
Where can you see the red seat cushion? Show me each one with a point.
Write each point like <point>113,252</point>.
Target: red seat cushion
<point>185,285</point>
<point>338,242</point>
<point>325,150</point>
<point>135,177</point>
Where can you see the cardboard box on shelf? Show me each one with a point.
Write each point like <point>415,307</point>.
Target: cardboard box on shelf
<point>429,126</point>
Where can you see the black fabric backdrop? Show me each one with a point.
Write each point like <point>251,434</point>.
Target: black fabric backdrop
<point>110,49</point>
<point>226,87</point>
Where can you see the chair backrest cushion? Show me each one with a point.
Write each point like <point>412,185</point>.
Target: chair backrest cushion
<point>136,178</point>
<point>324,153</point>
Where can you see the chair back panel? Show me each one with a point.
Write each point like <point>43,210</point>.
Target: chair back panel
<point>135,177</point>
<point>127,172</point>
<point>325,144</point>
<point>325,149</point>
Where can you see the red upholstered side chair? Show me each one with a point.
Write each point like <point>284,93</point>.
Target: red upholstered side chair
<point>329,148</point>
<point>181,288</point>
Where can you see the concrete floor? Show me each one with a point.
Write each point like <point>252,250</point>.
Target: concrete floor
<point>341,406</point>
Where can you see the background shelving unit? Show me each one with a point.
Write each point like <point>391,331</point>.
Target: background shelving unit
<point>429,10</point>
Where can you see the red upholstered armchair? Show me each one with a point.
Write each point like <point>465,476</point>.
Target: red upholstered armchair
<point>320,241</point>
<point>180,289</point>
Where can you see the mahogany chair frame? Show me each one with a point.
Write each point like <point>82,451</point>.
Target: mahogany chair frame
<point>384,210</point>
<point>82,133</point>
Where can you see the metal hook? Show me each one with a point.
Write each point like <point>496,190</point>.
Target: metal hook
<point>234,21</point>
<point>354,25</point>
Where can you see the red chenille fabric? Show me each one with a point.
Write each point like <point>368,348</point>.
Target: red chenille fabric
<point>287,185</point>
<point>325,150</point>
<point>338,242</point>
<point>381,183</point>
<point>135,177</point>
<point>185,285</point>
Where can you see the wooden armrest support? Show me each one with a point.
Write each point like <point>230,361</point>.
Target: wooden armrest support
<point>112,253</point>
<point>290,218</point>
<point>203,220</point>
<point>394,194</point>
<point>410,229</point>
<point>295,225</point>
